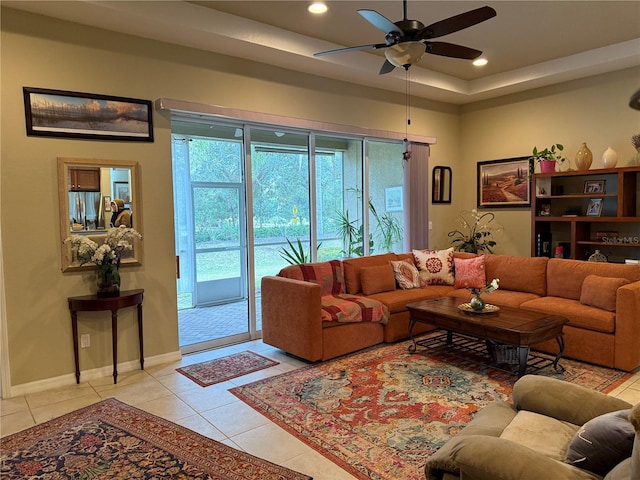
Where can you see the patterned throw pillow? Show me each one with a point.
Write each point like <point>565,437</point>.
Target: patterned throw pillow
<point>470,272</point>
<point>406,275</point>
<point>435,266</point>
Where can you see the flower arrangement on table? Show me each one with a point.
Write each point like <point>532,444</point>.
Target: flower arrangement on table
<point>477,303</point>
<point>106,256</point>
<point>475,233</point>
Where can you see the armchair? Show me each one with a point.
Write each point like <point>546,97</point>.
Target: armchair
<point>528,440</point>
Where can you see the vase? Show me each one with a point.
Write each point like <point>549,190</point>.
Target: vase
<point>108,281</point>
<point>584,157</point>
<point>547,166</point>
<point>477,303</point>
<point>609,158</point>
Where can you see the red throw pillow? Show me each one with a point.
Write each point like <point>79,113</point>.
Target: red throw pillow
<point>470,272</point>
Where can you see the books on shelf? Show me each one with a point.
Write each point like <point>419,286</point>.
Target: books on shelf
<point>632,261</point>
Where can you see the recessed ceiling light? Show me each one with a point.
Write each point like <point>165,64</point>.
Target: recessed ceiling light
<point>480,62</point>
<point>317,7</point>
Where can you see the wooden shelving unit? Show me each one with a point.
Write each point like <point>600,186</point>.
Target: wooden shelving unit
<point>559,214</point>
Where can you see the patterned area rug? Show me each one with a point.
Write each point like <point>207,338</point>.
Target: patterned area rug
<point>112,440</point>
<point>380,413</point>
<point>226,368</point>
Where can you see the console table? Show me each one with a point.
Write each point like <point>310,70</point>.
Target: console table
<point>93,303</point>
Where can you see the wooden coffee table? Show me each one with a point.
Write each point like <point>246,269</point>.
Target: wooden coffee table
<point>510,326</point>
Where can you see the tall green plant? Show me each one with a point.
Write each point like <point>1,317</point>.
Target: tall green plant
<point>295,255</point>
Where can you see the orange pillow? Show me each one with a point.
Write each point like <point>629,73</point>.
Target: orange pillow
<point>600,291</point>
<point>377,279</point>
<point>470,272</point>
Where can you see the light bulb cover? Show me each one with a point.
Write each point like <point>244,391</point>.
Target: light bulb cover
<point>405,53</point>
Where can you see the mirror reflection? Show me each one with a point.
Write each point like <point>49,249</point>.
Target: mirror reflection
<point>441,185</point>
<point>96,195</point>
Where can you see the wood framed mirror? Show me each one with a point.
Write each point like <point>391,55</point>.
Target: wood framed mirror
<point>86,190</point>
<point>441,185</point>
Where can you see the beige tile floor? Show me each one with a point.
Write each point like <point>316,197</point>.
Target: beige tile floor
<point>211,411</point>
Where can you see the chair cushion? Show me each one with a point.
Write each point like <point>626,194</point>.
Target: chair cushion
<point>545,435</point>
<point>376,279</point>
<point>602,443</point>
<point>600,291</point>
<point>435,266</point>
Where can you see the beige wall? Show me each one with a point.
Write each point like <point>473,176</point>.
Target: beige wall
<point>40,52</point>
<point>594,110</point>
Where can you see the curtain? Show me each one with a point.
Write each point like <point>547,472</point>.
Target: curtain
<point>416,180</point>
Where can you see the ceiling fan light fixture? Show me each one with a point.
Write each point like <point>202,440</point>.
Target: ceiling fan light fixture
<point>480,62</point>
<point>405,53</point>
<point>317,7</point>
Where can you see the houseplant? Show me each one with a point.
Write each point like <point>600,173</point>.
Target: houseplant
<point>106,256</point>
<point>547,158</point>
<point>475,234</point>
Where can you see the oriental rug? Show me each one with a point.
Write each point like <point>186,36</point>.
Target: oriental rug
<point>225,368</point>
<point>381,412</point>
<point>111,440</point>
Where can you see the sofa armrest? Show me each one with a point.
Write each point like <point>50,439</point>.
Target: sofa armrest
<point>291,316</point>
<point>627,338</point>
<point>479,457</point>
<point>562,400</point>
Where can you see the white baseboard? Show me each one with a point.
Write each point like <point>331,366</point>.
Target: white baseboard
<point>87,375</point>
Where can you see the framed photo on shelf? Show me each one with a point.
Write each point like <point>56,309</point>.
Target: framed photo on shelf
<point>594,186</point>
<point>61,113</point>
<point>545,210</point>
<point>595,207</point>
<point>504,183</point>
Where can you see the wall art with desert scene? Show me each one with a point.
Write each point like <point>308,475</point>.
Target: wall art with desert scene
<point>504,183</point>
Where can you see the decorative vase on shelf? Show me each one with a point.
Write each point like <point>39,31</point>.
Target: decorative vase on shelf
<point>584,157</point>
<point>477,303</point>
<point>597,257</point>
<point>108,280</point>
<point>609,158</point>
<point>547,166</point>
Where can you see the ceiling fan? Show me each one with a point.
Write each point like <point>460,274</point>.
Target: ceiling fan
<point>407,40</point>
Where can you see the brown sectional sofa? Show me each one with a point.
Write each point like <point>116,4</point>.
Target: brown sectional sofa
<point>601,301</point>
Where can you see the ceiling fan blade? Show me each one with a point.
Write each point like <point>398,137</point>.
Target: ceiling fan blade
<point>452,50</point>
<point>380,21</point>
<point>387,67</point>
<point>458,22</point>
<point>372,46</point>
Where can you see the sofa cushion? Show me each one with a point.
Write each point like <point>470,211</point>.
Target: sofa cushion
<point>579,315</point>
<point>520,274</point>
<point>353,266</point>
<point>545,435</point>
<point>565,277</point>
<point>397,300</point>
<point>406,275</point>
<point>500,297</point>
<point>376,279</point>
<point>326,274</point>
<point>600,291</point>
<point>470,272</point>
<point>352,308</point>
<point>435,266</point>
<point>602,443</point>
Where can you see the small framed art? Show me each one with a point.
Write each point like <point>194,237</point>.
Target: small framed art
<point>594,186</point>
<point>595,207</point>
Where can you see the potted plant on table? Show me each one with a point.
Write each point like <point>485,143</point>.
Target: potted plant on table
<point>547,158</point>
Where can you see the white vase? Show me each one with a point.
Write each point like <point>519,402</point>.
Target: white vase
<point>609,158</point>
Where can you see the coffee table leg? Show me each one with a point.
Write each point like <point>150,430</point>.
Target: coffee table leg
<point>523,356</point>
<point>414,346</point>
<point>559,368</point>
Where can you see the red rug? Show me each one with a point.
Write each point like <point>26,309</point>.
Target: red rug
<point>380,413</point>
<point>111,440</point>
<point>226,368</point>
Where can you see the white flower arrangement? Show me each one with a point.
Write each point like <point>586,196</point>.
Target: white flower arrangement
<point>116,242</point>
<point>490,287</point>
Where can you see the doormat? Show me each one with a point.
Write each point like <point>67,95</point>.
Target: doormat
<point>225,368</point>
<point>380,413</point>
<point>111,440</point>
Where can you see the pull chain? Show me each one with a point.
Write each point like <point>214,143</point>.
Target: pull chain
<point>406,155</point>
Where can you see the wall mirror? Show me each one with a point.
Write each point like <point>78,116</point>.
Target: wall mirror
<point>86,188</point>
<point>441,185</point>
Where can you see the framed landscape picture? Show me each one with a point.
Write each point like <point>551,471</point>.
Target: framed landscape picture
<point>60,113</point>
<point>504,183</point>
